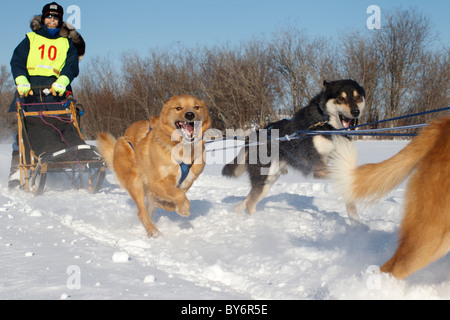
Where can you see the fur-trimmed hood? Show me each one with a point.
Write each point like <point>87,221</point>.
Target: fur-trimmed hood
<point>66,31</point>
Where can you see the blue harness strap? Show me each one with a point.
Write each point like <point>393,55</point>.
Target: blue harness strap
<point>184,171</point>
<point>184,167</point>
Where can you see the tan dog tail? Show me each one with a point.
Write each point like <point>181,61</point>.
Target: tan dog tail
<point>105,144</point>
<point>372,181</point>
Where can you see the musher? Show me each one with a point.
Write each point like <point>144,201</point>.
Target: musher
<point>44,65</point>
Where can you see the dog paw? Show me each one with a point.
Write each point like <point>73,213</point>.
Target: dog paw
<point>240,208</point>
<point>185,209</point>
<point>154,233</point>
<point>152,230</point>
<point>184,213</point>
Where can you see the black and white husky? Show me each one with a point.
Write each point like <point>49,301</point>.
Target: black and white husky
<point>337,106</point>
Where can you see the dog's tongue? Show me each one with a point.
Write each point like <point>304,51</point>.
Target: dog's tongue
<point>187,127</point>
<point>346,122</point>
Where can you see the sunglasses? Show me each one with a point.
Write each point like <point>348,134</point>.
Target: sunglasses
<point>54,16</point>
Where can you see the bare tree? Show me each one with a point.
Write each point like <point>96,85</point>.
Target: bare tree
<point>400,45</point>
<point>100,91</point>
<point>239,85</point>
<point>360,62</point>
<point>256,82</point>
<point>302,64</point>
<point>7,121</point>
<point>432,87</point>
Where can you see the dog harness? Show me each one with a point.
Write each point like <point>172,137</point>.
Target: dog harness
<point>183,166</point>
<point>184,171</point>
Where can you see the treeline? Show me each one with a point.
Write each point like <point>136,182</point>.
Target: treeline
<point>402,66</point>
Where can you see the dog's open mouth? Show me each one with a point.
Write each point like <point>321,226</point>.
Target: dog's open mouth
<point>348,122</point>
<point>186,129</point>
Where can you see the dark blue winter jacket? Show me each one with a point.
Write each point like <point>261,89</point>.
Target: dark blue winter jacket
<point>19,63</point>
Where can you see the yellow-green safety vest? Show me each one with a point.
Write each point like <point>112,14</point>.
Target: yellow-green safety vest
<point>47,56</point>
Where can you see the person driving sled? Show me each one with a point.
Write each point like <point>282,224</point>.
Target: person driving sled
<point>44,64</point>
<point>45,60</point>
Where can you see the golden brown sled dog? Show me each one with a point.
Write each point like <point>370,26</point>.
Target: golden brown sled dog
<point>425,228</point>
<point>147,159</point>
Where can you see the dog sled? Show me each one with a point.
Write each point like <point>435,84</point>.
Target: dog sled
<point>50,140</point>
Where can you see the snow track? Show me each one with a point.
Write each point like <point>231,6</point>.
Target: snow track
<point>298,245</point>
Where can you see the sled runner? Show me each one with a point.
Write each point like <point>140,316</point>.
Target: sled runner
<point>50,140</point>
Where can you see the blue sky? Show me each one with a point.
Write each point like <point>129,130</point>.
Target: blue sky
<point>113,27</point>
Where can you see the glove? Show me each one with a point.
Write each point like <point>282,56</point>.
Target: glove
<point>59,86</point>
<point>23,86</point>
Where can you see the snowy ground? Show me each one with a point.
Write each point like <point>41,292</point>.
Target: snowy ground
<point>299,245</point>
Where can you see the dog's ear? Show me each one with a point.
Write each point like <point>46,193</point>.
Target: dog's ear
<point>154,120</point>
<point>325,84</point>
<point>166,121</point>
<point>362,91</point>
<point>207,120</point>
